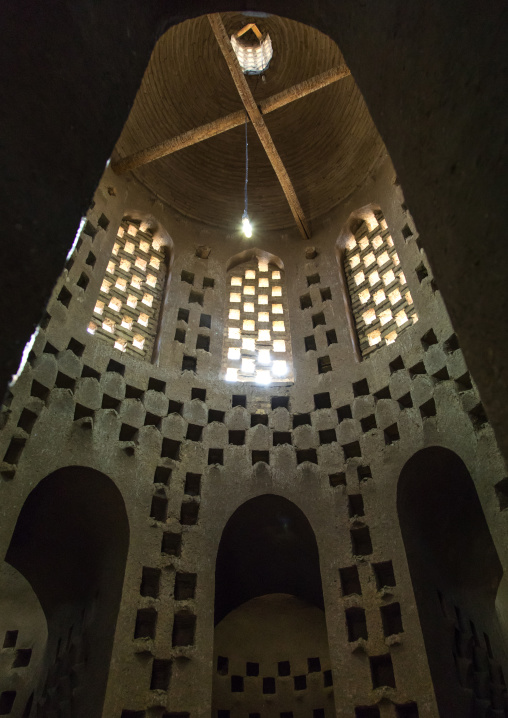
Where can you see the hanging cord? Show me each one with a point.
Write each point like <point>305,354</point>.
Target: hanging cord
<point>246,167</point>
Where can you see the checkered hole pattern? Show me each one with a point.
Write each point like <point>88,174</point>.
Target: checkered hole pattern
<point>257,345</point>
<point>381,301</point>
<point>127,309</point>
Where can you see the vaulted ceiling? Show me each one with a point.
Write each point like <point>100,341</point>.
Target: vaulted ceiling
<point>327,140</point>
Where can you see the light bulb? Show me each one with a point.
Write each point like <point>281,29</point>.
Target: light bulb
<point>246,226</point>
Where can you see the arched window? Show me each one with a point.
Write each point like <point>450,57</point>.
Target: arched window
<point>257,344</point>
<point>127,309</point>
<point>381,301</point>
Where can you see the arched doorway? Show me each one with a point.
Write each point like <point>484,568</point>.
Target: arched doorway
<point>70,543</point>
<point>456,572</point>
<point>23,639</point>
<point>271,652</point>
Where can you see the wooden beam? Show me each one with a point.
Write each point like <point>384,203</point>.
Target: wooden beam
<point>156,152</point>
<point>303,88</point>
<point>167,147</point>
<point>258,122</point>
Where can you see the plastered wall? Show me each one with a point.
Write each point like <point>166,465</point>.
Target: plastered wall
<point>349,431</point>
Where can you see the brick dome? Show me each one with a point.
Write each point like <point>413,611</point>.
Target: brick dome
<point>326,140</point>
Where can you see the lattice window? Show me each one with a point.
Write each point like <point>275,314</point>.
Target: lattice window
<point>257,345</point>
<point>127,309</point>
<point>382,304</point>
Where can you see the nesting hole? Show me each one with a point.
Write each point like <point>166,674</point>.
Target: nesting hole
<point>159,508</point>
<point>197,393</point>
<point>405,401</point>
<point>428,409</point>
<point>214,415</point>
<point>310,343</point>
<point>161,674</point>
<point>355,505</point>
<point>324,364</point>
<point>170,449</point>
<point>361,541</point>
<point>352,450</point>
<point>306,455</point>
<point>261,456</point>
<point>205,321</point>
<point>150,582</point>
<point>203,342</point>
<point>428,339</point>
<point>185,586</point>
<point>318,319</point>
<point>196,297</point>
<point>337,479</point>
<point>305,301</point>
<point>384,575</point>
<point>392,619</point>
<point>216,456</point>
<point>356,624</point>
<point>252,669</point>
<point>396,365</point>
<point>350,581</point>
<point>322,401</point>
<point>284,668</point>
<point>162,475</point>
<point>237,438</point>
<point>327,436</point>
<point>184,627</point>
<point>76,347</point>
<point>368,423</point>
<point>189,363</point>
<point>171,544</point>
<point>280,402</point>
<point>391,434</point>
<point>146,622</point>
<point>175,407</point>
<point>64,297</point>
<point>194,432</point>
<point>344,412</point>
<point>301,420</point>
<point>331,337</point>
<point>192,484</point>
<point>381,669</point>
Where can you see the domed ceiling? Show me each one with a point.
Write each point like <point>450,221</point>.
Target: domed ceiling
<point>326,140</point>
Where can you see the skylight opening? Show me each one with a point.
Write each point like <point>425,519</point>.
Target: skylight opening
<point>253,49</point>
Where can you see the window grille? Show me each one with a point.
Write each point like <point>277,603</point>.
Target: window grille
<point>127,309</point>
<point>381,302</point>
<point>257,345</point>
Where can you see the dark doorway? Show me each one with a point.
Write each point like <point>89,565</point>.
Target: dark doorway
<point>455,571</point>
<point>70,543</point>
<point>268,546</point>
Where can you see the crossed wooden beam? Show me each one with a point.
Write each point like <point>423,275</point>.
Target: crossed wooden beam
<point>252,111</point>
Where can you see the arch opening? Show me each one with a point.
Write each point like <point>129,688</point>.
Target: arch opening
<point>380,305</point>
<point>70,543</point>
<point>270,634</point>
<point>257,337</point>
<point>129,306</point>
<point>456,573</point>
